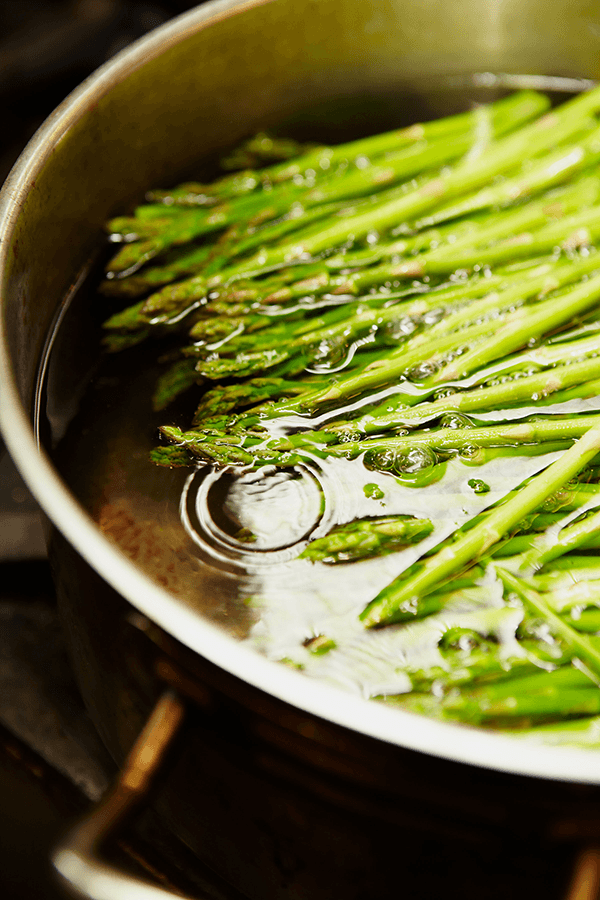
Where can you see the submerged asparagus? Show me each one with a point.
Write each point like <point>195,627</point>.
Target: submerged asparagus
<point>366,538</point>
<point>428,294</point>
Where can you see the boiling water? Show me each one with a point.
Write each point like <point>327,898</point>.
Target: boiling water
<point>189,530</point>
<point>228,541</point>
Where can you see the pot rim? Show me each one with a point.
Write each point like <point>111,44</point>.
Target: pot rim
<point>455,742</point>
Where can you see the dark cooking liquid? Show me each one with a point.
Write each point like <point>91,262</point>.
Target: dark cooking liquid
<point>190,530</point>
<point>186,530</point>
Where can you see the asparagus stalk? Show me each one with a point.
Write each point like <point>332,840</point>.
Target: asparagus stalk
<point>523,326</point>
<point>503,155</point>
<point>573,600</point>
<point>221,400</point>
<point>549,170</point>
<point>523,542</point>
<point>176,300</point>
<point>180,263</point>
<point>401,454</point>
<point>578,230</point>
<point>566,691</point>
<point>366,538</point>
<point>243,297</point>
<point>449,439</point>
<point>273,357</point>
<point>548,355</point>
<point>533,104</point>
<point>517,329</point>
<point>332,332</point>
<point>530,389</point>
<point>263,148</point>
<point>519,226</point>
<point>587,621</point>
<point>179,227</point>
<point>240,307</point>
<point>405,246</point>
<point>178,378</point>
<point>472,546</point>
<point>567,572</point>
<point>403,164</point>
<point>480,666</point>
<point>464,233</point>
<point>159,235</point>
<point>549,547</point>
<point>582,645</point>
<point>316,280</point>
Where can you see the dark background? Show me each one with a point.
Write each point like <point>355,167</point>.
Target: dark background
<point>47,47</point>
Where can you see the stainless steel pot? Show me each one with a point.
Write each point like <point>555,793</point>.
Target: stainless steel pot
<point>191,88</point>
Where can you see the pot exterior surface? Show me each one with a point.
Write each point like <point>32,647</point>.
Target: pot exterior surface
<point>283,806</point>
<point>184,93</point>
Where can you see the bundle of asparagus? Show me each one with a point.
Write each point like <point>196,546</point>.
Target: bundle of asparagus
<point>405,299</point>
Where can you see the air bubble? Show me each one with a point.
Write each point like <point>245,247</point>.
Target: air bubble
<point>444,393</point>
<point>330,353</point>
<point>455,420</point>
<point>379,460</point>
<point>469,452</point>
<point>433,316</point>
<point>415,461</point>
<point>399,329</point>
<point>423,370</point>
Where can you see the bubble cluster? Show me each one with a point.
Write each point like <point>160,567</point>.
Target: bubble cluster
<point>414,461</point>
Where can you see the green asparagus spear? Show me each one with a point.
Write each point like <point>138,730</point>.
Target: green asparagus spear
<point>178,378</point>
<point>585,648</point>
<point>529,390</point>
<point>549,170</point>
<point>189,225</point>
<point>474,544</point>
<point>518,327</point>
<point>566,691</point>
<point>503,155</point>
<point>367,538</point>
<point>293,305</point>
